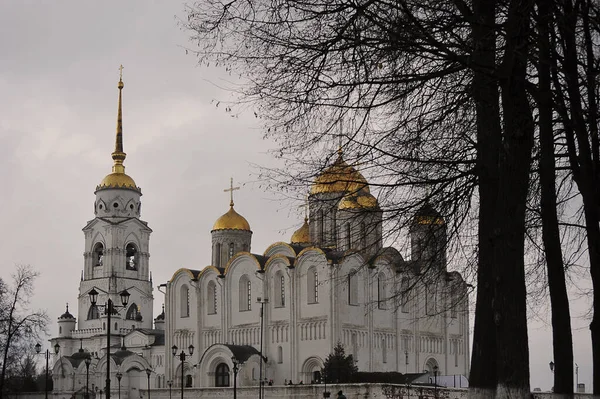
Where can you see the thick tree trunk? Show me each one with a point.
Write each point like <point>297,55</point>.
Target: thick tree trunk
<point>510,309</point>
<point>482,379</point>
<point>562,339</point>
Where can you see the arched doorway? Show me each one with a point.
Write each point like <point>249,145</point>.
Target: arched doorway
<point>222,375</point>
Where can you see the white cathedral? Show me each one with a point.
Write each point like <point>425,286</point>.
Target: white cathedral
<point>278,314</point>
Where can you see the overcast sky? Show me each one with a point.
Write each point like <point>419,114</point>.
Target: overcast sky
<point>58,99</point>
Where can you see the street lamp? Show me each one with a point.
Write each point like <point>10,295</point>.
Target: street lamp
<point>119,376</point>
<point>148,372</point>
<point>576,377</point>
<point>262,302</point>
<point>38,349</point>
<point>88,361</point>
<point>235,373</point>
<point>169,383</point>
<point>435,373</point>
<point>182,357</point>
<point>109,308</point>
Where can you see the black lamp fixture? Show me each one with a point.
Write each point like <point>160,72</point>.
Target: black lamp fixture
<point>435,374</point>
<point>182,357</point>
<point>119,376</point>
<point>236,364</point>
<point>38,349</point>
<point>148,372</point>
<point>170,384</point>
<point>109,308</point>
<point>551,364</point>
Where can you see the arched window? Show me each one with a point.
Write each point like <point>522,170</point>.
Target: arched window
<point>279,354</point>
<point>211,297</point>
<point>218,255</point>
<point>131,257</point>
<point>404,287</point>
<point>133,312</point>
<point>453,301</point>
<point>98,254</point>
<point>184,298</point>
<point>231,247</point>
<point>116,326</point>
<point>245,247</point>
<point>381,291</point>
<point>188,381</point>
<point>93,313</point>
<point>59,329</point>
<point>245,292</point>
<point>222,375</point>
<point>279,290</point>
<point>334,227</point>
<point>353,288</point>
<point>383,351</point>
<point>363,235</point>
<point>312,285</point>
<point>321,226</point>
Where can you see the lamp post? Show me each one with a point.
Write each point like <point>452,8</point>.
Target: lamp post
<point>119,376</point>
<point>148,372</point>
<point>235,373</point>
<point>262,302</point>
<point>169,383</point>
<point>435,373</point>
<point>88,361</point>
<point>109,308</point>
<point>182,357</point>
<point>38,349</point>
<point>576,377</point>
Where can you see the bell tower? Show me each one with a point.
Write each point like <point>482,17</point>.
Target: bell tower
<point>116,253</point>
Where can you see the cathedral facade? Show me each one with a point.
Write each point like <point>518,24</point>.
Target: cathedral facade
<point>277,314</point>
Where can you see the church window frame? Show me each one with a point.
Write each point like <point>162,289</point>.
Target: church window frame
<point>404,295</point>
<point>334,235</point>
<point>211,297</point>
<point>98,254</point>
<point>321,226</point>
<point>184,301</point>
<point>363,236</point>
<point>453,302</point>
<point>245,293</point>
<point>383,351</point>
<point>312,285</point>
<point>348,236</point>
<point>279,289</point>
<point>222,375</point>
<point>131,256</point>
<point>93,313</point>
<point>279,354</point>
<point>430,300</point>
<point>353,288</point>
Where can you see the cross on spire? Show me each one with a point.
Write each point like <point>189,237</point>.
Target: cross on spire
<point>305,208</point>
<point>231,189</point>
<point>121,72</point>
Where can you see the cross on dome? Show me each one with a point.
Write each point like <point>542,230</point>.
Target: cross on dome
<point>231,189</point>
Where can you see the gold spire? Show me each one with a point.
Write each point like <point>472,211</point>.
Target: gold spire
<point>118,155</point>
<point>118,178</point>
<point>231,220</point>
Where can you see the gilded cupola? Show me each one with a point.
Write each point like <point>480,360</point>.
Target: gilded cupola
<point>118,178</point>
<point>339,178</point>
<point>231,220</point>
<point>302,235</point>
<point>362,200</point>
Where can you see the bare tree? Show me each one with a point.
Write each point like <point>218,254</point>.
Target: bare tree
<point>19,325</point>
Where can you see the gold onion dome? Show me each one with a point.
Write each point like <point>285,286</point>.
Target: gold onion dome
<point>364,200</point>
<point>428,215</point>
<point>231,221</point>
<point>118,178</point>
<point>339,178</point>
<point>302,235</point>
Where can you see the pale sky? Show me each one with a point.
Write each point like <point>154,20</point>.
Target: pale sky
<point>58,99</point>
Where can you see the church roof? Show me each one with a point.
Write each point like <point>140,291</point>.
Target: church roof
<point>302,235</point>
<point>242,352</point>
<point>339,178</point>
<point>231,221</point>
<point>427,214</point>
<point>66,315</point>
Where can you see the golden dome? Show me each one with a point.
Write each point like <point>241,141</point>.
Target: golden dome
<point>302,235</point>
<point>231,221</point>
<point>361,201</point>
<point>117,180</point>
<point>339,178</point>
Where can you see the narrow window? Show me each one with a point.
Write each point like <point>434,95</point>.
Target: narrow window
<point>321,226</point>
<point>381,294</point>
<point>93,313</point>
<point>453,302</point>
<point>404,287</point>
<point>279,354</point>
<point>352,288</point>
<point>59,329</point>
<point>312,285</point>
<point>218,254</point>
<point>184,298</point>
<point>133,312</point>
<point>429,300</point>
<point>211,298</point>
<point>348,236</point>
<point>334,227</point>
<point>245,293</point>
<point>363,235</point>
<point>245,247</point>
<point>279,290</point>
<point>383,351</point>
